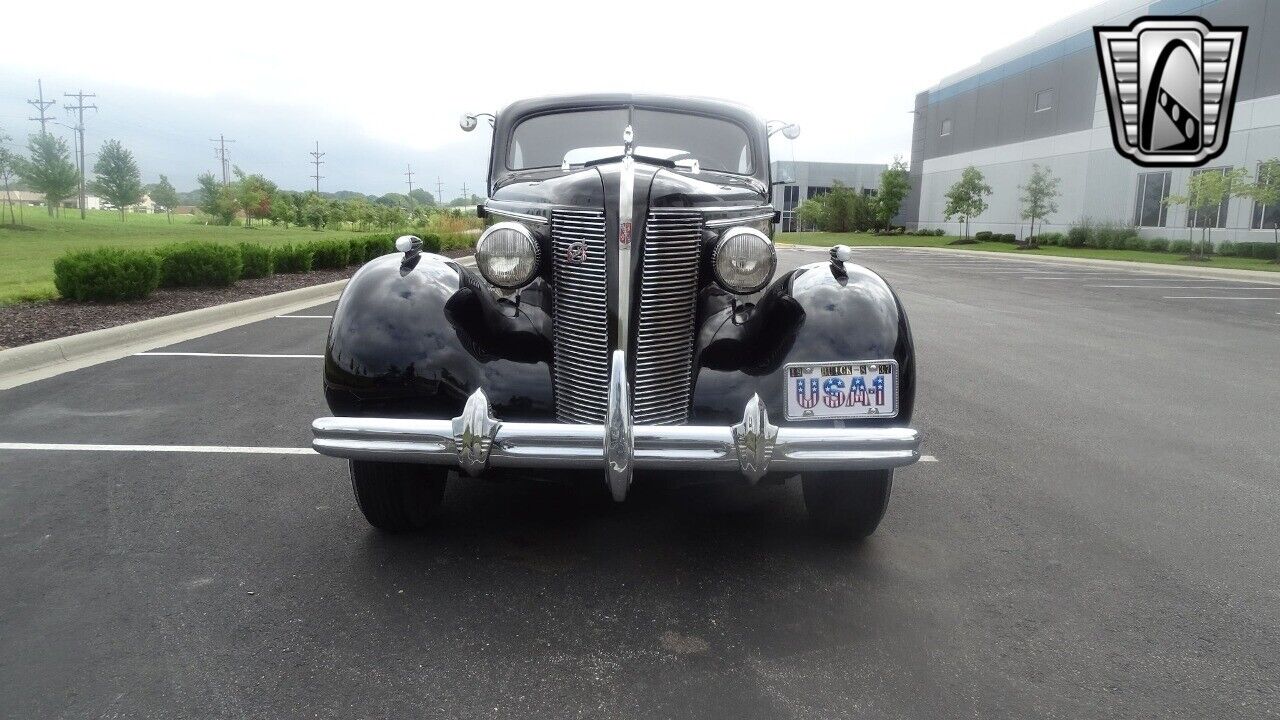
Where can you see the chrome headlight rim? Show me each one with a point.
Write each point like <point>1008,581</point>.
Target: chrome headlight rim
<point>483,255</point>
<point>719,247</point>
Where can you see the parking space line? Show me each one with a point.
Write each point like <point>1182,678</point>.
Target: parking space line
<point>1214,297</point>
<point>232,449</point>
<point>1192,287</point>
<point>231,355</point>
<point>307,317</point>
<point>928,458</point>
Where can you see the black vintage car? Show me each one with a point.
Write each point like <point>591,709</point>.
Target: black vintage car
<point>625,317</point>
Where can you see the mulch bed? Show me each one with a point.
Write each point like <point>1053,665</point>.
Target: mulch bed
<point>25,323</point>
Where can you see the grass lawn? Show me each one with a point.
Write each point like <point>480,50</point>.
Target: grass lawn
<point>829,239</point>
<point>26,256</point>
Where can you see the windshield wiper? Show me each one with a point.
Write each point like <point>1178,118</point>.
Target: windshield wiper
<point>641,158</point>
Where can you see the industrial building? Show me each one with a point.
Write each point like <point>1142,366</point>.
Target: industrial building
<point>1040,101</point>
<point>799,181</point>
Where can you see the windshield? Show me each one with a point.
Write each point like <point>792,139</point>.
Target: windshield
<point>582,136</point>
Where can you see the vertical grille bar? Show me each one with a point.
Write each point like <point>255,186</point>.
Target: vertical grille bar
<point>664,335</point>
<point>580,318</point>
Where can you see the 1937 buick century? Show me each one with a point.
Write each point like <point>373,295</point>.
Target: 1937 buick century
<point>625,319</point>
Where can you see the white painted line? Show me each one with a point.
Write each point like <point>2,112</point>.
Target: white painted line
<point>1046,277</point>
<point>1192,287</point>
<point>928,458</point>
<point>235,355</point>
<point>1214,297</point>
<point>82,447</point>
<point>308,317</point>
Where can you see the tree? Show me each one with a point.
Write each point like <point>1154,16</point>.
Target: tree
<point>1266,192</point>
<point>1039,196</point>
<point>217,201</point>
<point>118,180</point>
<point>1207,191</point>
<point>6,173</point>
<point>282,210</point>
<point>812,213</point>
<point>894,186</point>
<point>49,170</point>
<point>315,211</point>
<point>967,197</point>
<point>254,194</point>
<point>164,195</point>
<point>422,197</point>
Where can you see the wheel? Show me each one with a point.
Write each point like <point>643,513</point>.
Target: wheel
<point>847,504</point>
<point>397,497</point>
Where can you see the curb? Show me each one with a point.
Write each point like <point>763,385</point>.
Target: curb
<point>1258,276</point>
<point>48,358</point>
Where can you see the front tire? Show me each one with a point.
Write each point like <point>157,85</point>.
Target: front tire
<point>397,497</point>
<point>847,505</point>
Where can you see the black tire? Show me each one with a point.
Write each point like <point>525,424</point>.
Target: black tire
<point>397,497</point>
<point>847,505</point>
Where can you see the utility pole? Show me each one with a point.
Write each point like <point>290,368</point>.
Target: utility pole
<point>464,193</point>
<point>439,192</point>
<point>41,105</point>
<point>409,172</point>
<point>315,160</point>
<point>221,151</point>
<point>79,108</point>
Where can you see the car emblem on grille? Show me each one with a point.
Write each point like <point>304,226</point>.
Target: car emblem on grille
<point>624,234</point>
<point>576,253</point>
<point>1170,86</point>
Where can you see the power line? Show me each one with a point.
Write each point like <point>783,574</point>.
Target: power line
<point>79,108</point>
<point>315,160</point>
<point>221,152</point>
<point>41,105</point>
<point>409,172</point>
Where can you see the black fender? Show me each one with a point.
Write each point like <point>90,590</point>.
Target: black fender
<point>415,337</point>
<point>815,313</point>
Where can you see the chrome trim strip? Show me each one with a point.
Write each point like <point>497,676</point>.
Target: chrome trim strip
<point>619,443</point>
<point>626,230</point>
<point>732,208</point>
<point>726,222</point>
<point>517,215</point>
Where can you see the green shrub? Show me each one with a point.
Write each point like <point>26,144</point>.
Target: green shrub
<point>1078,236</point>
<point>199,264</point>
<point>983,236</point>
<point>1182,247</point>
<point>1051,238</point>
<point>329,254</point>
<point>106,274</point>
<point>1259,250</point>
<point>453,242</point>
<point>290,258</point>
<point>256,260</point>
<point>1158,245</point>
<point>1004,237</point>
<point>1135,242</point>
<point>1226,249</point>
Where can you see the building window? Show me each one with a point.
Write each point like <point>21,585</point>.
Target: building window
<point>1216,217</point>
<point>815,191</point>
<point>1265,217</point>
<point>1149,209</point>
<point>946,128</point>
<point>1044,100</point>
<point>790,197</point>
<point>869,192</point>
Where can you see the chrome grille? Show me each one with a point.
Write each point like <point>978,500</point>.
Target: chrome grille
<point>581,322</point>
<point>664,335</point>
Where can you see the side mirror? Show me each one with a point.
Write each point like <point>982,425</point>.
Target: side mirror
<point>467,123</point>
<point>791,132</point>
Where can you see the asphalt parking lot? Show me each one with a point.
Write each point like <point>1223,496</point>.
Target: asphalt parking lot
<point>1098,537</point>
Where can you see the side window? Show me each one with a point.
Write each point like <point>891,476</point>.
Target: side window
<point>1214,218</point>
<point>946,128</point>
<point>1149,209</point>
<point>1265,217</point>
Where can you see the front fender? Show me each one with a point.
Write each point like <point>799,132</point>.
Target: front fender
<point>815,313</point>
<point>414,338</point>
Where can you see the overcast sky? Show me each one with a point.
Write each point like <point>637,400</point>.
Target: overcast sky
<point>382,84</point>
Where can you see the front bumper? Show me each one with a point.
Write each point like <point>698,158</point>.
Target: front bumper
<point>476,440</point>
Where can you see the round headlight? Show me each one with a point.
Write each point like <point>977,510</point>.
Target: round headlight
<point>507,255</point>
<point>743,260</point>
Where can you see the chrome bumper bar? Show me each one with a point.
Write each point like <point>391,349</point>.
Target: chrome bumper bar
<point>475,440</point>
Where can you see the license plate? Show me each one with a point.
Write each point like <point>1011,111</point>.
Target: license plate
<point>818,391</point>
